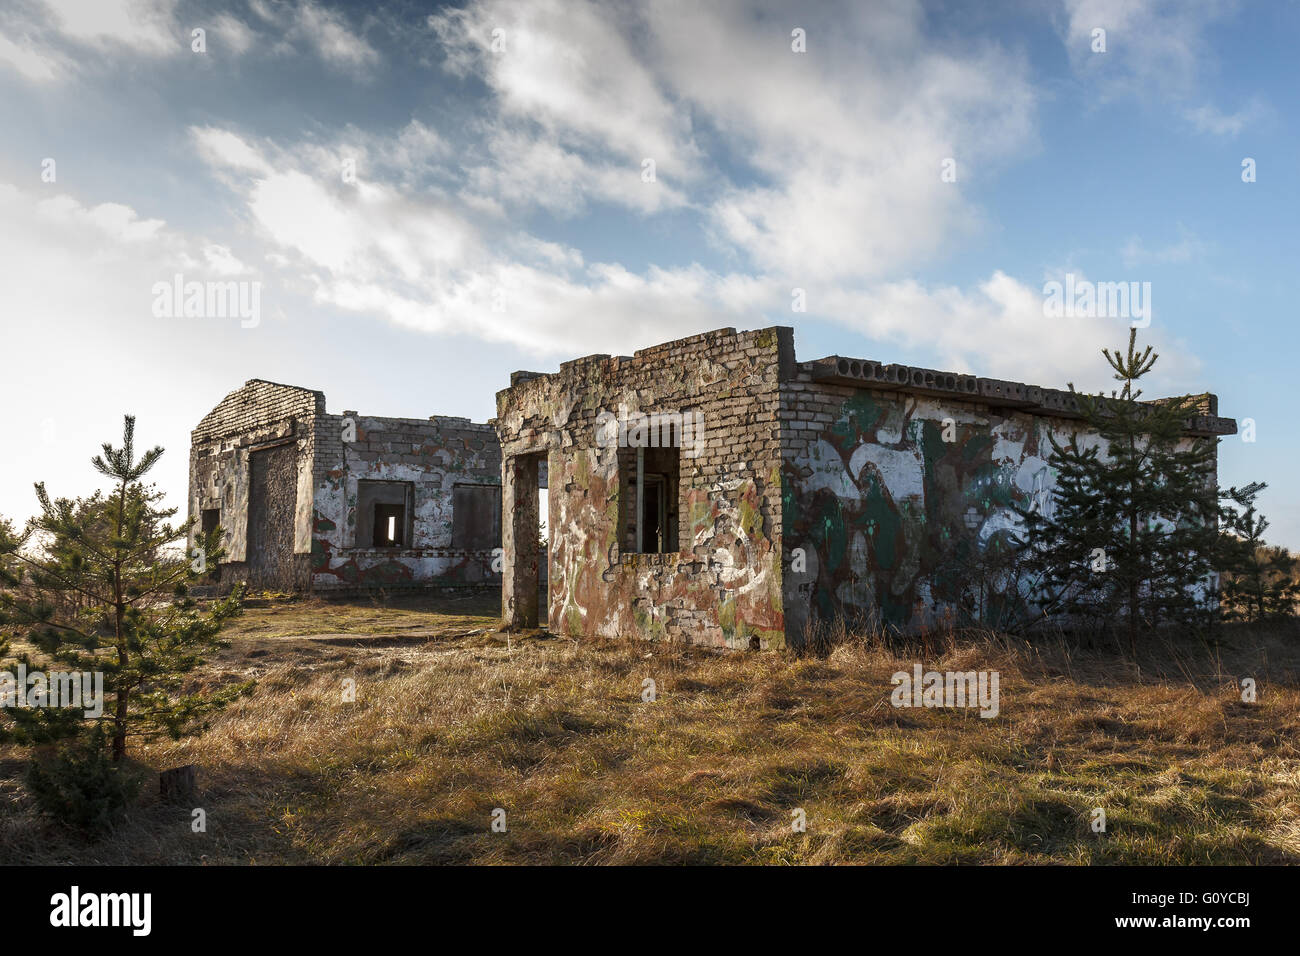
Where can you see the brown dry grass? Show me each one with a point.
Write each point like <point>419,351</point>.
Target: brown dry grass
<point>452,721</point>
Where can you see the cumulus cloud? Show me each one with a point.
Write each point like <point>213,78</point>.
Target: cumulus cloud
<point>430,265</point>
<point>839,190</point>
<point>233,33</point>
<point>33,63</point>
<point>1153,47</point>
<point>56,39</point>
<point>571,68</point>
<point>999,328</point>
<point>49,40</point>
<point>142,26</point>
<point>529,171</point>
<point>331,36</point>
<point>423,262</point>
<point>227,150</point>
<point>109,220</point>
<point>846,141</point>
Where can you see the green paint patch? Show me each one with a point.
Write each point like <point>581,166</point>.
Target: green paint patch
<point>859,415</point>
<point>826,530</point>
<point>978,448</point>
<point>648,627</point>
<point>727,615</point>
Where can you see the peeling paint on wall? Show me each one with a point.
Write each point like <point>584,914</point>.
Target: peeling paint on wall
<point>332,454</point>
<point>722,586</point>
<point>884,481</point>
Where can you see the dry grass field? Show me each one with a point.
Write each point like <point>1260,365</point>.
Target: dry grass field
<point>453,720</point>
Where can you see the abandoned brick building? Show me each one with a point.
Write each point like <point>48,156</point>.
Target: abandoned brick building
<point>713,489</point>
<point>309,501</point>
<point>716,490</point>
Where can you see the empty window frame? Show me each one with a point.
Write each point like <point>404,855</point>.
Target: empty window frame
<point>476,517</point>
<point>649,478</point>
<point>384,514</point>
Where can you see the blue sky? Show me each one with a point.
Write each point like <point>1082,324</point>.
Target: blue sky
<point>499,219</point>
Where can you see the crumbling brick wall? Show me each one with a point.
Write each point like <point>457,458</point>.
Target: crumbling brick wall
<point>276,469</point>
<point>897,484</point>
<point>722,585</point>
<point>433,456</point>
<point>826,489</point>
<point>257,418</point>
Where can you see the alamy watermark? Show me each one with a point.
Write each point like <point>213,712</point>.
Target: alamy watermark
<point>1080,298</point>
<point>213,299</point>
<point>75,908</point>
<point>951,689</point>
<point>55,689</point>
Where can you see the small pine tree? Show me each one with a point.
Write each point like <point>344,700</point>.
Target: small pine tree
<point>96,584</point>
<point>1259,580</point>
<point>1131,536</point>
<point>81,786</point>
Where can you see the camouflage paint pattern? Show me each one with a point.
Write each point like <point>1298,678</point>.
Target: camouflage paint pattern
<point>895,488</point>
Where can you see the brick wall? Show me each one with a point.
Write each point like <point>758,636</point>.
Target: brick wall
<point>892,498</point>
<point>433,455</point>
<point>722,586</point>
<point>260,415</point>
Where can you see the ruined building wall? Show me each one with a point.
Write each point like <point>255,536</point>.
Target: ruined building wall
<point>294,492</point>
<point>722,584</point>
<point>251,472</point>
<point>889,517</point>
<point>419,462</point>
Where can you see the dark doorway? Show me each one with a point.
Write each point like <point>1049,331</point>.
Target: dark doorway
<point>272,503</point>
<point>523,599</point>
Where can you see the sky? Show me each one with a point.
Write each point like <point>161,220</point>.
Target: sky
<point>416,199</point>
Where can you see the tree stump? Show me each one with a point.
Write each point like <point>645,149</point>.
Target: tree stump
<point>180,784</point>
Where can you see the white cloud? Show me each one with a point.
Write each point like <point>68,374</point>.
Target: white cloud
<point>110,220</point>
<point>221,261</point>
<point>998,329</point>
<point>537,171</point>
<point>843,190</point>
<point>422,264</point>
<point>846,140</point>
<point>570,68</point>
<point>234,33</point>
<point>368,232</point>
<point>39,66</point>
<point>1136,252</point>
<point>844,144</point>
<point>1153,47</point>
<point>55,39</point>
<point>144,26</point>
<point>79,310</point>
<point>227,150</point>
<point>332,38</point>
<point>1207,119</point>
